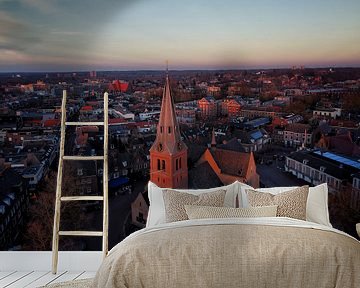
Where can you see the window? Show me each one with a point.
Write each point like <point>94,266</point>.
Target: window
<point>180,163</point>
<point>88,189</point>
<point>79,172</point>
<point>161,129</point>
<point>177,164</point>
<point>169,129</point>
<point>163,165</point>
<point>158,164</point>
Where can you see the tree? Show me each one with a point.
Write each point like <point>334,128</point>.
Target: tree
<point>39,229</point>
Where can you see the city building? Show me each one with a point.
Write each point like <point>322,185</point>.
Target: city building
<point>186,115</point>
<point>85,175</point>
<point>316,167</point>
<point>341,143</point>
<point>139,210</point>
<point>253,140</point>
<point>355,193</point>
<point>233,108</point>
<point>118,86</point>
<point>168,154</point>
<point>255,113</point>
<point>14,202</point>
<point>208,107</point>
<point>286,120</point>
<point>325,113</point>
<point>297,134</point>
<point>214,90</point>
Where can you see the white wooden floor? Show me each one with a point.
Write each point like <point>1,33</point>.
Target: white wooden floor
<point>32,268</point>
<point>32,279</point>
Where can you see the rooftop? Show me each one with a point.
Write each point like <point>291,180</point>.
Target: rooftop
<point>341,159</point>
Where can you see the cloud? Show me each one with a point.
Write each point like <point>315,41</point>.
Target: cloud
<point>67,33</point>
<point>44,6</point>
<point>15,34</point>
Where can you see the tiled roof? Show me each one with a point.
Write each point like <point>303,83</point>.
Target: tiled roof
<point>203,177</point>
<point>231,162</point>
<point>298,128</point>
<point>195,151</point>
<point>233,145</point>
<point>343,144</point>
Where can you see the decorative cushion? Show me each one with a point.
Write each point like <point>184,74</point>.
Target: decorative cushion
<point>156,213</point>
<point>201,212</point>
<point>290,203</point>
<point>175,202</point>
<point>316,207</point>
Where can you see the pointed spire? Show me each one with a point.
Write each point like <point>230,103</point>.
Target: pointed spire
<point>168,137</point>
<point>213,139</point>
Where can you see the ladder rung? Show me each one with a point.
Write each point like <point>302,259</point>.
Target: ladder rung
<point>84,123</point>
<point>82,198</point>
<point>81,233</point>
<point>83,157</point>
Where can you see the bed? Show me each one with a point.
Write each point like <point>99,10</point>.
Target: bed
<point>234,251</point>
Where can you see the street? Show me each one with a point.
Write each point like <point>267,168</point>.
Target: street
<point>119,209</point>
<point>271,169</point>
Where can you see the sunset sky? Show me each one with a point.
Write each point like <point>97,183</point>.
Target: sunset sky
<point>74,35</point>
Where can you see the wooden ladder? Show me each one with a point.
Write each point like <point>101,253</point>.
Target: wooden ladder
<point>59,198</point>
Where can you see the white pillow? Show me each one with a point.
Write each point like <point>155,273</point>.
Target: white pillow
<point>156,213</point>
<point>317,203</point>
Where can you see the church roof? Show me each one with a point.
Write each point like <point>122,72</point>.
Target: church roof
<point>231,162</point>
<point>203,176</point>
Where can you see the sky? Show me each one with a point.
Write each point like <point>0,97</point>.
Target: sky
<point>82,35</point>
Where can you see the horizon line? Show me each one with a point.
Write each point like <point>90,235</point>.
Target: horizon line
<point>189,69</point>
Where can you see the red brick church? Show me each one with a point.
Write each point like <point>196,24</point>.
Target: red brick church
<point>168,154</point>
<point>216,167</point>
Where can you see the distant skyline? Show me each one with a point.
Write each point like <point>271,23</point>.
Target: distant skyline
<point>81,35</point>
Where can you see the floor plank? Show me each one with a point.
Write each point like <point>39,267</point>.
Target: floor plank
<point>28,279</point>
<point>5,274</point>
<point>13,277</point>
<point>86,275</point>
<point>45,279</point>
<point>34,279</point>
<point>68,276</point>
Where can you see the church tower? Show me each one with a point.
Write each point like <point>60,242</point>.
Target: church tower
<point>168,154</point>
